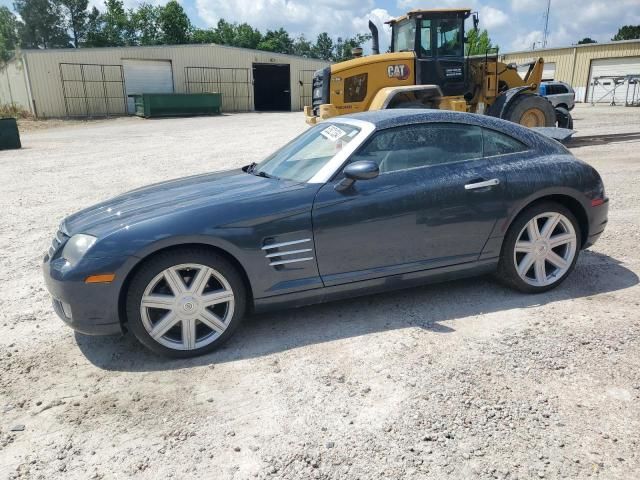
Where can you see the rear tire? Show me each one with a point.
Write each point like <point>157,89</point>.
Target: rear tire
<point>184,303</point>
<point>537,256</point>
<point>564,118</point>
<point>531,110</point>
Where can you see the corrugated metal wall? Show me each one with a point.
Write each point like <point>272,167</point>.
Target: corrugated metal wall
<point>46,85</point>
<point>13,85</point>
<point>574,63</point>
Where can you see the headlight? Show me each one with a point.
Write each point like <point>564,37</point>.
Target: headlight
<point>76,247</point>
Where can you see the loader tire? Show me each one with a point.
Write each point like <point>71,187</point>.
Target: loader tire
<point>531,110</point>
<point>564,118</point>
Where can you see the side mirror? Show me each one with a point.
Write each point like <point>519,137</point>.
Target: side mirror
<point>363,170</point>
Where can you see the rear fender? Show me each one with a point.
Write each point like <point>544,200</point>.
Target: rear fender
<point>500,107</point>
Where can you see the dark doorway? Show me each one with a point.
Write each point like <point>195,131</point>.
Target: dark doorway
<point>271,87</point>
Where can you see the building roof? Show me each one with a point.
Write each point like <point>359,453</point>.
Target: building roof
<point>584,45</point>
<point>188,45</point>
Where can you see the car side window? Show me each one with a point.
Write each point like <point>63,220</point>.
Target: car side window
<point>496,143</point>
<point>423,145</point>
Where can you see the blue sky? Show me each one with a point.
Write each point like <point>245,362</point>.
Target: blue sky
<point>513,24</point>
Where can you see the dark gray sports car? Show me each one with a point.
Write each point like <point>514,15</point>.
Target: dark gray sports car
<point>356,205</point>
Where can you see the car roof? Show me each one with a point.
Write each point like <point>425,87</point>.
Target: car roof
<point>383,119</point>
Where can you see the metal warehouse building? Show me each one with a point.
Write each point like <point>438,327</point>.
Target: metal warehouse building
<point>578,65</point>
<point>98,81</point>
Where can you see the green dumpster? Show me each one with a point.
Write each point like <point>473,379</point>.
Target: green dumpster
<point>177,104</point>
<point>9,135</point>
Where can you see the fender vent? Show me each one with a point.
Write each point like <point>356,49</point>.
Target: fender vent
<point>281,253</point>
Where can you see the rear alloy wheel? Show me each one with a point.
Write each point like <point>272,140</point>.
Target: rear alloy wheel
<point>541,248</point>
<point>185,308</point>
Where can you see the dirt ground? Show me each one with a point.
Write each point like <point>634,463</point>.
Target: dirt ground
<point>459,380</point>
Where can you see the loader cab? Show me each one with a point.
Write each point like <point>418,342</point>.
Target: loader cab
<point>437,38</point>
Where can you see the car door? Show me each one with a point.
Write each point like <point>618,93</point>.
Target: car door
<point>434,204</point>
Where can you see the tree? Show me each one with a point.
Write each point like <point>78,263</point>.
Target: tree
<point>8,34</point>
<point>145,25</point>
<point>303,47</point>
<point>175,24</point>
<point>115,24</point>
<point>478,43</point>
<point>586,40</point>
<point>201,35</point>
<point>342,50</point>
<point>246,36</point>
<point>277,41</point>
<point>324,47</point>
<point>43,24</point>
<point>95,36</point>
<point>75,12</point>
<point>628,32</point>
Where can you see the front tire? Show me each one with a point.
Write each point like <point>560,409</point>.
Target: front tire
<point>540,249</point>
<point>184,303</point>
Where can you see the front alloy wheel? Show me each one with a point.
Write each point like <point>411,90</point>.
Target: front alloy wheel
<point>187,307</point>
<point>540,248</point>
<point>185,303</point>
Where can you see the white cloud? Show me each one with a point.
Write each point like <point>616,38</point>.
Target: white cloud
<point>491,17</point>
<point>336,17</point>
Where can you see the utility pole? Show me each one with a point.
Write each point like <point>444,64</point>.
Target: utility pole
<point>546,25</point>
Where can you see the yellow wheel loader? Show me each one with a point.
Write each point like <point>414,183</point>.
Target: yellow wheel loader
<point>427,68</point>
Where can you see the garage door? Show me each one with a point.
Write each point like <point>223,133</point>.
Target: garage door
<point>603,92</point>
<point>147,76</point>
<point>549,71</point>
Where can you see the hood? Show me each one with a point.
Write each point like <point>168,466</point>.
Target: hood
<point>171,197</point>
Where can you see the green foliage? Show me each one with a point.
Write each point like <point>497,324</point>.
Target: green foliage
<point>145,25</point>
<point>9,38</point>
<point>43,24</point>
<point>628,32</point>
<point>174,23</point>
<point>277,41</point>
<point>343,47</point>
<point>586,40</point>
<point>324,46</point>
<point>478,42</point>
<point>63,23</point>
<point>75,13</point>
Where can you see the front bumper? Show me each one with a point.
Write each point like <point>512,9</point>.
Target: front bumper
<point>325,111</point>
<point>89,308</point>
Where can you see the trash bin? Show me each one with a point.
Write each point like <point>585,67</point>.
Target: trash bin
<point>176,104</point>
<point>9,135</point>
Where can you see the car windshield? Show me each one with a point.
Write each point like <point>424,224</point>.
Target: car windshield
<point>306,154</point>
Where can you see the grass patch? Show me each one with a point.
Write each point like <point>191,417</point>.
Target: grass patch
<point>14,111</point>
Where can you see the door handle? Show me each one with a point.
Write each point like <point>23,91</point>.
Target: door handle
<point>482,184</point>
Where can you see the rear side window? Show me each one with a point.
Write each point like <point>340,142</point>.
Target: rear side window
<point>423,145</point>
<point>496,143</point>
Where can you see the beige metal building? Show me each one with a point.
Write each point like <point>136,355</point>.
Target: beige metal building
<point>98,81</point>
<point>578,66</point>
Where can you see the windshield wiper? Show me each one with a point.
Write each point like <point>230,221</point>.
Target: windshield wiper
<point>263,174</point>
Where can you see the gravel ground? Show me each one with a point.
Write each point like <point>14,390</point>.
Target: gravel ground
<point>459,380</point>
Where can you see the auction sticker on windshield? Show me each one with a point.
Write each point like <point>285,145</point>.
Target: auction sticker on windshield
<point>333,133</point>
